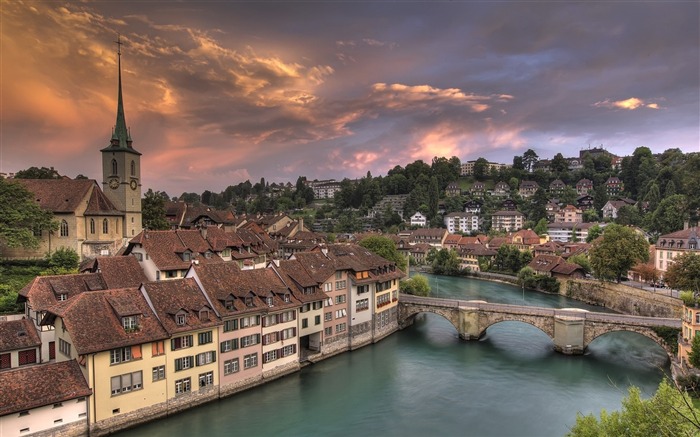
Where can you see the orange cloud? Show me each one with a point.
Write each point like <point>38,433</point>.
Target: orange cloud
<point>630,104</point>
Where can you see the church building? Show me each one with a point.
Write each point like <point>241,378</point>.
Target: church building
<point>93,221</point>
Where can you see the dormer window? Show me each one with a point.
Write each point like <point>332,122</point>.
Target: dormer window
<point>287,298</point>
<point>207,255</point>
<point>229,304</point>
<point>180,319</point>
<point>62,297</point>
<point>204,315</point>
<point>129,323</point>
<point>269,301</point>
<point>186,256</point>
<point>249,301</point>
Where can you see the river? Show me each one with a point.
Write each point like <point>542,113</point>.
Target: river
<point>424,380</point>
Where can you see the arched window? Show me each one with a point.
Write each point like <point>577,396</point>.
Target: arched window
<point>64,228</point>
<point>114,167</point>
<point>92,226</point>
<point>133,168</point>
<point>105,226</point>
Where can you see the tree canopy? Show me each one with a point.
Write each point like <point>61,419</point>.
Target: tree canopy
<point>153,211</point>
<point>38,173</point>
<point>668,413</point>
<point>684,273</point>
<point>384,247</point>
<point>21,217</point>
<point>417,286</point>
<point>619,249</point>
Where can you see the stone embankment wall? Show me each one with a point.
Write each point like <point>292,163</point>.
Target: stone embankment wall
<point>622,298</point>
<point>75,429</point>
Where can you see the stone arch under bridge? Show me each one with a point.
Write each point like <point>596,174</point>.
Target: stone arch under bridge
<point>594,330</point>
<point>408,313</point>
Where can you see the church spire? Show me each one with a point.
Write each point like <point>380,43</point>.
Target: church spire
<point>121,137</point>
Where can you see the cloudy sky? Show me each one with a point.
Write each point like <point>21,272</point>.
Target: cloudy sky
<point>220,92</point>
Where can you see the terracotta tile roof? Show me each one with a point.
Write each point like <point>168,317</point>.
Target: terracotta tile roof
<point>452,239</point>
<point>42,291</point>
<point>497,242</point>
<point>119,271</point>
<point>359,259</point>
<point>318,265</point>
<point>165,248</point>
<point>477,250</point>
<point>180,295</point>
<point>550,246</point>
<point>554,264</point>
<point>59,195</point>
<point>94,320</point>
<point>303,285</point>
<point>423,248</point>
<point>30,387</point>
<point>528,236</point>
<point>18,334</point>
<point>99,204</point>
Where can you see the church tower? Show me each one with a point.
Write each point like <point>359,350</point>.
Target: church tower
<point>121,168</point>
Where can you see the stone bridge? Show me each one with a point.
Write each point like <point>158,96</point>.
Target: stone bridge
<point>571,329</point>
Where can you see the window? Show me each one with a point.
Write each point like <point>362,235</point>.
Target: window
<point>64,228</point>
<point>269,301</point>
<point>181,342</point>
<point>105,226</point>
<point>180,319</point>
<point>228,345</point>
<point>61,297</point>
<point>124,354</point>
<point>328,331</point>
<point>383,299</point>
<point>340,313</point>
<point>27,357</point>
<point>126,383</point>
<point>362,304</point>
<point>182,386</point>
<point>328,316</point>
<point>115,168</point>
<point>340,285</point>
<point>133,168</point>
<point>158,373</point>
<point>230,366</point>
<point>129,323</point>
<point>287,298</point>
<point>329,301</point>
<point>58,405</point>
<point>184,363</point>
<point>138,256</point>
<point>287,316</point>
<point>92,226</point>
<point>250,340</point>
<point>383,319</point>
<point>5,361</point>
<point>318,305</point>
<point>173,274</point>
<point>206,379</point>
<point>338,275</point>
<point>157,348</point>
<point>206,358</point>
<point>250,321</point>
<point>341,327</point>
<point>288,333</point>
<point>273,337</point>
<point>340,299</point>
<point>288,350</point>
<point>64,347</point>
<point>229,304</point>
<point>362,289</point>
<point>205,337</point>
<point>270,320</point>
<point>269,356</point>
<point>250,360</point>
<point>327,287</point>
<point>304,323</point>
<point>317,320</point>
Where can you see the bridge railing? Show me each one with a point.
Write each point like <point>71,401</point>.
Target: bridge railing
<point>539,311</point>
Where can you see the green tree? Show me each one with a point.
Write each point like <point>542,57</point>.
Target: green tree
<point>668,413</point>
<point>541,227</point>
<point>590,215</point>
<point>559,164</point>
<point>384,247</point>
<point>684,273</point>
<point>694,354</point>
<point>433,198</point>
<point>38,173</point>
<point>21,217</point>
<point>594,232</point>
<point>481,169</point>
<point>445,262</point>
<point>63,261</point>
<point>618,250</point>
<point>581,260</point>
<point>417,285</point>
<point>628,215</point>
<point>530,158</point>
<point>153,211</point>
<point>670,214</point>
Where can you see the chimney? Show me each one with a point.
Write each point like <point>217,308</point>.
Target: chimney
<point>685,225</point>
<point>301,223</point>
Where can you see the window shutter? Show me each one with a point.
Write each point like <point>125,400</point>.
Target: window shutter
<point>173,344</point>
<point>178,364</point>
<point>264,322</point>
<point>116,384</point>
<point>136,352</point>
<point>137,379</point>
<point>235,344</point>
<point>294,332</point>
<point>213,356</point>
<point>221,347</point>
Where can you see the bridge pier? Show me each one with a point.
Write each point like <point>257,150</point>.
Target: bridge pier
<point>568,335</point>
<point>469,327</point>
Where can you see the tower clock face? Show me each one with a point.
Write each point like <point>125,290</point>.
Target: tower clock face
<point>114,184</point>
<point>133,184</point>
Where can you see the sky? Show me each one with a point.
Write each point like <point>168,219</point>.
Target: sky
<point>219,92</point>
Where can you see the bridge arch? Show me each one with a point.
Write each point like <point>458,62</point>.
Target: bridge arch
<point>488,320</point>
<point>593,332</point>
<point>407,314</point>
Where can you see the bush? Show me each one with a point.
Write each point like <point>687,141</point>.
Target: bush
<point>417,285</point>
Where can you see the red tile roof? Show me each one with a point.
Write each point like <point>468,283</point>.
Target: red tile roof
<point>59,195</point>
<point>30,387</point>
<point>42,291</point>
<point>18,334</point>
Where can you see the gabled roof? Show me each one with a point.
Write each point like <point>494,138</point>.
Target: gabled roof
<point>553,263</point>
<point>118,271</point>
<point>18,334</point>
<point>164,247</point>
<point>94,320</point>
<point>299,280</point>
<point>99,204</point>
<point>170,298</point>
<point>30,387</point>
<point>528,236</point>
<point>476,249</point>
<point>42,291</point>
<point>59,195</point>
